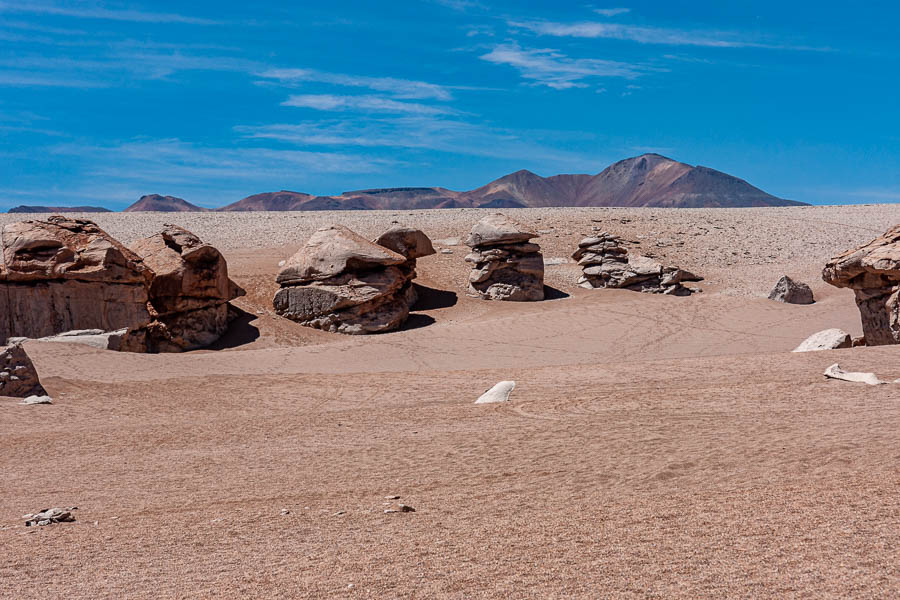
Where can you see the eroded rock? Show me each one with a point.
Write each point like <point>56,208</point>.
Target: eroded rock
<point>18,376</point>
<point>829,339</point>
<point>505,264</point>
<point>791,292</point>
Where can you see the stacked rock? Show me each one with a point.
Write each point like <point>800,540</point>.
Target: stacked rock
<point>341,282</point>
<point>412,244</point>
<point>67,275</point>
<point>872,271</point>
<point>18,377</point>
<point>607,264</point>
<point>505,264</point>
<point>189,293</point>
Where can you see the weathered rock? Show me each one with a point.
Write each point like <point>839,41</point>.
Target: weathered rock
<point>872,271</point>
<point>364,288</point>
<point>334,250</point>
<point>829,339</point>
<point>189,293</point>
<point>18,376</point>
<point>505,265</point>
<point>836,372</point>
<point>791,292</point>
<point>37,400</point>
<point>607,264</point>
<point>63,274</point>
<point>406,241</point>
<point>499,393</point>
<point>49,516</point>
<point>95,338</point>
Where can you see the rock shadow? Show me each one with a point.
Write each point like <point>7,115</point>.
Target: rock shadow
<point>433,299</point>
<point>240,331</point>
<point>415,321</point>
<point>552,293</point>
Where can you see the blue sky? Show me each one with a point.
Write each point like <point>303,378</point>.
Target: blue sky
<point>101,102</point>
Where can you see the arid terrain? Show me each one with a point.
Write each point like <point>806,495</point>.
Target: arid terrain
<point>654,446</point>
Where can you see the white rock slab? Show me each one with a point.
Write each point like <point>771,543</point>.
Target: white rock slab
<point>498,393</point>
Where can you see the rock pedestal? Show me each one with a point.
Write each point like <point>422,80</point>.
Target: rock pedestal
<point>606,263</point>
<point>341,282</point>
<point>18,377</point>
<point>62,274</point>
<point>872,271</point>
<point>505,264</point>
<point>412,244</point>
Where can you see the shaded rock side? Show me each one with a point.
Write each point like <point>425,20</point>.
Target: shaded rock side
<point>18,376</point>
<point>62,274</point>
<point>606,263</point>
<point>872,271</point>
<point>505,264</point>
<point>791,292</point>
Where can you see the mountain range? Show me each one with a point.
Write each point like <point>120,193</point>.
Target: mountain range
<point>648,180</point>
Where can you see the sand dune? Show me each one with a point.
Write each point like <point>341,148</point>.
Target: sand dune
<point>653,447</point>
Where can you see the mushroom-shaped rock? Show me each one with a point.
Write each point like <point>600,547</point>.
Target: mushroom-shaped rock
<point>361,287</point>
<point>406,241</point>
<point>189,292</point>
<point>505,265</point>
<point>791,292</point>
<point>62,274</point>
<point>334,250</point>
<point>18,377</point>
<point>872,271</point>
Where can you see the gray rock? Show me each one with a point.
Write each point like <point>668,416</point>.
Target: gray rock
<point>37,400</point>
<point>829,339</point>
<point>505,265</point>
<point>791,292</point>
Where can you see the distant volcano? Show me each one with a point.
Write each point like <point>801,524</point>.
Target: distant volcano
<point>157,203</point>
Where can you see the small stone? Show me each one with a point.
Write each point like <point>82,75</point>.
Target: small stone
<point>499,393</point>
<point>338,513</point>
<point>285,511</point>
<point>37,400</point>
<point>392,497</point>
<point>446,251</point>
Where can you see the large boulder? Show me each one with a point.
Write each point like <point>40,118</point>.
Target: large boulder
<point>341,282</point>
<point>411,243</point>
<point>18,377</point>
<point>872,271</point>
<point>791,292</point>
<point>61,274</point>
<point>189,292</point>
<point>829,339</point>
<point>505,264</point>
<point>606,263</point>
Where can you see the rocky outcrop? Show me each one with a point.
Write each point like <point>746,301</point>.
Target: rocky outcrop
<point>829,339</point>
<point>62,274</point>
<point>791,292</point>
<point>606,263</point>
<point>506,265</point>
<point>872,271</point>
<point>18,377</point>
<point>412,244</point>
<point>341,282</point>
<point>189,292</point>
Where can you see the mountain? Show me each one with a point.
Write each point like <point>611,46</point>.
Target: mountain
<point>58,209</point>
<point>646,180</point>
<point>157,203</point>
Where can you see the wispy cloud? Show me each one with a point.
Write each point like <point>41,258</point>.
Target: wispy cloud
<point>85,10</point>
<point>374,104</point>
<point>611,12</point>
<point>651,35</point>
<point>398,88</point>
<point>556,70</point>
<point>459,5</point>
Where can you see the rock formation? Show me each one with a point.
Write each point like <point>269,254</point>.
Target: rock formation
<point>412,244</point>
<point>499,393</point>
<point>836,372</point>
<point>341,282</point>
<point>61,274</point>
<point>872,271</point>
<point>830,339</point>
<point>505,264</point>
<point>791,292</point>
<point>607,264</point>
<point>189,291</point>
<point>18,377</point>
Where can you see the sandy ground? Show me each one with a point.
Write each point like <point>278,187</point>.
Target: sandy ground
<point>654,446</point>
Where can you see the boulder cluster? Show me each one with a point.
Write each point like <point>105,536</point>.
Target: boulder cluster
<point>341,282</point>
<point>169,293</point>
<point>506,265</point>
<point>872,271</point>
<point>606,263</point>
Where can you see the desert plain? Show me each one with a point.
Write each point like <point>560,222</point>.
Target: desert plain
<point>654,446</point>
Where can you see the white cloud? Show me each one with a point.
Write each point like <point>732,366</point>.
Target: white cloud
<point>611,12</point>
<point>89,10</point>
<point>650,35</point>
<point>398,88</point>
<point>374,104</point>
<point>556,70</point>
<point>459,5</point>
